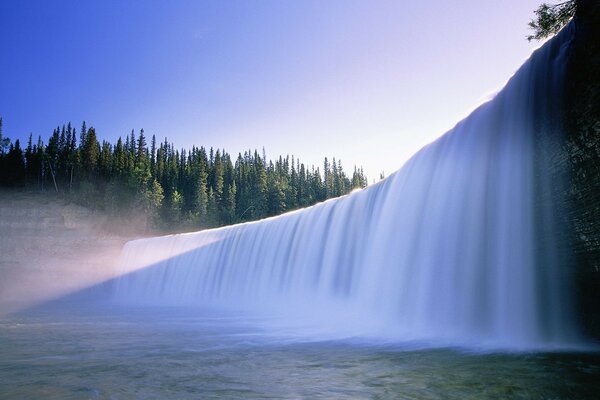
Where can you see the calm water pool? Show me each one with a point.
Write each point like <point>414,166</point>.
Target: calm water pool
<point>113,353</point>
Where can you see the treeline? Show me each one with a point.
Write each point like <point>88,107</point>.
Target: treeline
<point>172,188</point>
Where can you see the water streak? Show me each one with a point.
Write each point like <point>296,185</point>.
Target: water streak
<point>446,249</point>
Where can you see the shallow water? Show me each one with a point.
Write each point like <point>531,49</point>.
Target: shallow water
<point>116,353</point>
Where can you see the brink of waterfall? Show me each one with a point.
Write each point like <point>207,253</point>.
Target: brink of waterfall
<point>454,248</point>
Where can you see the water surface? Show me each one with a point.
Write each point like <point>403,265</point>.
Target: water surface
<point>117,353</point>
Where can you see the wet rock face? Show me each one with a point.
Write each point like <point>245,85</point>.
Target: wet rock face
<point>582,160</point>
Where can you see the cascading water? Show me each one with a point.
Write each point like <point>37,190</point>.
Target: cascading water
<point>446,249</point>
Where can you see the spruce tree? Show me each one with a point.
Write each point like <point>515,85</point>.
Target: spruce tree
<point>90,154</point>
<point>153,156</point>
<point>15,165</point>
<point>82,135</point>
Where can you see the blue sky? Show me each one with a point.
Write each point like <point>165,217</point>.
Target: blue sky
<point>369,82</point>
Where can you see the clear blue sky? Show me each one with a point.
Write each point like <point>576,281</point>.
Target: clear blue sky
<point>369,82</point>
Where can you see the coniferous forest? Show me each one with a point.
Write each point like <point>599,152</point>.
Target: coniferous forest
<point>173,188</point>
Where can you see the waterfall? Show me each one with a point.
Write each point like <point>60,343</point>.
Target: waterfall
<point>454,247</point>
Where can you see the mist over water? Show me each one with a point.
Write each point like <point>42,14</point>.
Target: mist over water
<point>406,289</point>
<point>169,352</point>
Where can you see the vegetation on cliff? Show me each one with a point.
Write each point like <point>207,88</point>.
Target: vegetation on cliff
<point>550,18</point>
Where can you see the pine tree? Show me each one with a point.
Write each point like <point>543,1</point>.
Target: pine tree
<point>29,155</point>
<point>106,160</point>
<point>141,168</point>
<point>276,197</point>
<point>38,163</point>
<point>15,165</point>
<point>141,154</point>
<point>90,154</point>
<point>258,189</point>
<point>327,179</point>
<point>154,197</point>
<point>82,135</point>
<point>230,206</point>
<point>153,156</point>
<point>202,191</point>
<point>218,179</point>
<point>117,159</point>
<point>211,209</point>
<point>292,189</point>
<point>175,207</point>
<point>73,142</point>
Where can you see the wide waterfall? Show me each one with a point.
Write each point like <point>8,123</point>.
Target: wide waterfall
<point>455,247</point>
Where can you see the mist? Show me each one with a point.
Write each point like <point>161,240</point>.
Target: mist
<point>50,248</point>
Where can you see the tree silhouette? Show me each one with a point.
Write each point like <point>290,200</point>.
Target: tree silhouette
<point>550,18</point>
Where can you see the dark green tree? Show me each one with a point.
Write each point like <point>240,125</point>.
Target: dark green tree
<point>15,165</point>
<point>550,18</point>
<point>82,135</point>
<point>90,154</point>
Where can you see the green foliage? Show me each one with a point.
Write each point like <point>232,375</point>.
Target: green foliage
<point>550,18</point>
<point>172,211</point>
<point>90,154</point>
<point>169,188</point>
<point>152,201</point>
<point>15,165</point>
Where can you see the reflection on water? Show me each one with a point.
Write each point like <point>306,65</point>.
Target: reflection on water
<point>120,354</point>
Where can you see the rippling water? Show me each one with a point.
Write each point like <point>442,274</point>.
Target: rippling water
<point>111,353</point>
